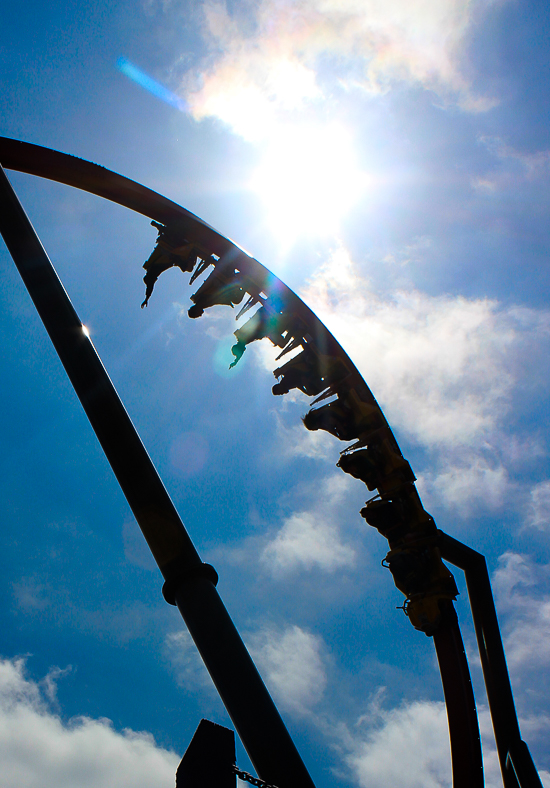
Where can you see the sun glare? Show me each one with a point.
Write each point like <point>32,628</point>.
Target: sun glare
<point>308,180</point>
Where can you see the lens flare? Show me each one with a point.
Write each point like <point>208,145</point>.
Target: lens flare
<point>148,83</point>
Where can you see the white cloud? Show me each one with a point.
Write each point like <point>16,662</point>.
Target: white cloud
<point>459,486</point>
<point>512,166</point>
<point>270,58</point>
<point>316,537</point>
<point>311,539</point>
<point>305,541</point>
<point>186,662</point>
<point>539,509</point>
<point>290,660</point>
<point>291,663</point>
<point>436,363</point>
<point>38,749</point>
<point>444,369</point>
<point>519,589</point>
<point>408,744</point>
<point>296,441</point>
<point>409,748</point>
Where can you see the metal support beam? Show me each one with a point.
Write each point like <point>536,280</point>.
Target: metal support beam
<point>466,753</point>
<point>518,770</point>
<point>247,700</point>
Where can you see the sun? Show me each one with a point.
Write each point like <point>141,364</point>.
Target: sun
<point>308,180</point>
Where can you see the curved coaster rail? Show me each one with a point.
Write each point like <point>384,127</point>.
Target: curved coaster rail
<point>319,368</point>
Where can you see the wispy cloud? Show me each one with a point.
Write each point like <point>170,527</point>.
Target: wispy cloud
<point>522,595</point>
<point>48,684</point>
<point>511,166</point>
<point>295,441</point>
<point>533,162</point>
<point>271,58</point>
<point>311,538</point>
<point>521,589</point>
<point>437,364</point>
<point>445,369</point>
<point>538,511</point>
<point>186,663</point>
<point>37,748</point>
<point>315,537</point>
<point>291,662</point>
<point>119,623</point>
<point>136,550</point>
<point>304,541</point>
<point>31,595</point>
<point>471,479</point>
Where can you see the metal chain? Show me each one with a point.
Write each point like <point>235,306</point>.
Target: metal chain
<point>249,778</point>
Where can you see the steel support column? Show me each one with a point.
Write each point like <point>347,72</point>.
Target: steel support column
<point>248,702</point>
<point>467,759</point>
<point>518,769</point>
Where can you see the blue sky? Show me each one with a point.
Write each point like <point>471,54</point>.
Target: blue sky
<point>390,162</point>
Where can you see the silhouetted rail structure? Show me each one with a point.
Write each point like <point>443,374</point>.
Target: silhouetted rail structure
<point>343,405</point>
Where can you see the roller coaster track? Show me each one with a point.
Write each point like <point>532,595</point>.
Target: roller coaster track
<point>343,406</point>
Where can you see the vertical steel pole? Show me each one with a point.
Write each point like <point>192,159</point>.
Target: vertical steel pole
<point>515,760</point>
<point>466,754</point>
<point>187,579</point>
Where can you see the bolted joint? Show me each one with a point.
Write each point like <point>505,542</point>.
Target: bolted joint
<point>178,574</point>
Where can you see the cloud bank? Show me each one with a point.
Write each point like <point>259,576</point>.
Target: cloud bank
<point>445,370</point>
<point>271,58</point>
<point>409,747</point>
<point>437,364</point>
<point>38,749</point>
<point>521,589</point>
